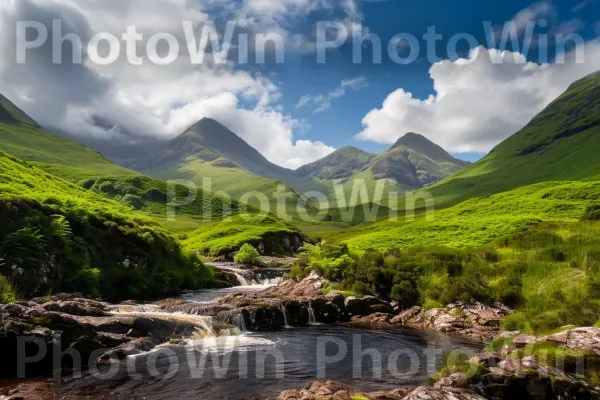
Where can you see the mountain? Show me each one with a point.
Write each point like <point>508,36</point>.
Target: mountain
<point>22,137</point>
<point>341,164</point>
<point>210,150</point>
<point>415,161</point>
<point>561,143</point>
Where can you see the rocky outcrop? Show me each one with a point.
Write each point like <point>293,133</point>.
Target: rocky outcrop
<point>290,303</point>
<point>329,390</point>
<point>553,367</point>
<point>87,326</point>
<point>472,320</point>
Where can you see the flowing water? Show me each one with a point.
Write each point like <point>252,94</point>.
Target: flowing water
<point>200,371</point>
<point>263,364</point>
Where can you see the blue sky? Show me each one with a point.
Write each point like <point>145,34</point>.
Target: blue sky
<point>299,111</point>
<point>339,125</point>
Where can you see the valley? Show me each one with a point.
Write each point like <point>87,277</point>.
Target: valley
<point>362,244</point>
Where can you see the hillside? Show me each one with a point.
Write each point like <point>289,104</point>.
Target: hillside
<point>22,137</point>
<point>56,236</point>
<point>341,164</point>
<point>561,143</point>
<point>210,150</point>
<point>415,161</point>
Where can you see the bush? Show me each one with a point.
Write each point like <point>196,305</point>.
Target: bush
<point>86,281</point>
<point>247,255</point>
<point>517,322</point>
<point>592,213</point>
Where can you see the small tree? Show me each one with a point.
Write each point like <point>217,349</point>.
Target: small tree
<point>247,255</point>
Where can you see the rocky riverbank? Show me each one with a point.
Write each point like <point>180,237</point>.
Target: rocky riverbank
<point>565,365</point>
<point>328,390</point>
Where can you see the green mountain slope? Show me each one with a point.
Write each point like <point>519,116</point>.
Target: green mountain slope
<point>561,143</point>
<point>480,221</point>
<point>341,164</point>
<point>22,137</point>
<point>415,161</point>
<point>56,236</point>
<point>209,152</point>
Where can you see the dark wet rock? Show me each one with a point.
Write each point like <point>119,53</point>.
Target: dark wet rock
<point>84,308</point>
<point>366,306</point>
<point>472,320</point>
<point>137,346</point>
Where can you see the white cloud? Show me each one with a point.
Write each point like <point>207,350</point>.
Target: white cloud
<point>477,103</point>
<point>533,13</point>
<point>148,101</point>
<point>322,102</point>
<point>581,5</point>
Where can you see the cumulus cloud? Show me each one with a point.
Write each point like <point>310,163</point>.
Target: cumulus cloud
<point>322,102</point>
<point>478,103</point>
<point>146,101</point>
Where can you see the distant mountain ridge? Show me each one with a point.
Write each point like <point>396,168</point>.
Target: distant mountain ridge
<point>413,162</point>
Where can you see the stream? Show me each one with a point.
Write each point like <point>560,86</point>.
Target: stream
<point>251,365</point>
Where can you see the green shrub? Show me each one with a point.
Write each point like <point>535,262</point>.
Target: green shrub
<point>592,213</point>
<point>517,322</point>
<point>86,281</point>
<point>247,255</point>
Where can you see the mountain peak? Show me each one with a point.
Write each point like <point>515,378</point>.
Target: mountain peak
<point>412,138</point>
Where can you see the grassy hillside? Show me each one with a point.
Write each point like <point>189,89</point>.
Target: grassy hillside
<point>25,139</point>
<point>479,221</point>
<point>221,238</point>
<point>56,236</point>
<point>210,150</point>
<point>341,164</point>
<point>561,143</point>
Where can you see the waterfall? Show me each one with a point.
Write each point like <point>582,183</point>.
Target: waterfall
<point>243,281</point>
<point>240,322</point>
<point>312,320</point>
<point>285,317</point>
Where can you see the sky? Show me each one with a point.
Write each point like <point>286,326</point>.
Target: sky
<point>466,95</point>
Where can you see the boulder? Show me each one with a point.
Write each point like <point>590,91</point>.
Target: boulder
<point>475,320</point>
<point>366,306</point>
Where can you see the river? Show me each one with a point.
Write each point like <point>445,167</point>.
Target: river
<point>253,365</point>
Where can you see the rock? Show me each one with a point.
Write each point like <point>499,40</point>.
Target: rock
<point>28,391</point>
<point>487,359</point>
<point>366,306</point>
<point>373,321</point>
<point>123,351</point>
<point>75,307</point>
<point>446,393</point>
<point>330,390</point>
<point>524,340</point>
<point>475,320</point>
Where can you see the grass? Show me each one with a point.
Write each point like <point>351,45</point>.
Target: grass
<point>224,237</point>
<point>479,221</point>
<point>56,236</point>
<point>23,138</point>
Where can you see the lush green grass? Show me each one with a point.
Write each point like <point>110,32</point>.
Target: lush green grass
<point>8,293</point>
<point>56,236</point>
<point>23,138</point>
<point>221,238</point>
<point>479,221</point>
